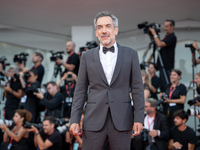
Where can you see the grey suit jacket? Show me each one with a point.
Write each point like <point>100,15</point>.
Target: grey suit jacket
<point>92,82</point>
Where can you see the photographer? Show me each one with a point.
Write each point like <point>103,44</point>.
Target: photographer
<point>37,59</point>
<point>181,136</point>
<point>72,63</point>
<point>54,104</point>
<point>167,50</point>
<point>68,91</point>
<point>175,96</point>
<point>155,80</point>
<point>18,136</point>
<point>29,101</point>
<point>158,128</point>
<point>13,93</point>
<point>49,138</point>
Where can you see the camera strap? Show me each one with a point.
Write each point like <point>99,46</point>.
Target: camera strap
<point>172,89</point>
<point>148,122</point>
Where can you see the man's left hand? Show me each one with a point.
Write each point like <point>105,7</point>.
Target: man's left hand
<point>153,32</point>
<point>153,133</point>
<point>137,128</point>
<point>33,129</point>
<point>58,61</point>
<point>39,95</point>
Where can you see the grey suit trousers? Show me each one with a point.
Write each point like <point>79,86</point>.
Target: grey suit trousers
<point>96,140</point>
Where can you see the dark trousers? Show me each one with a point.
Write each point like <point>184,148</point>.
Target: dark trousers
<point>96,140</point>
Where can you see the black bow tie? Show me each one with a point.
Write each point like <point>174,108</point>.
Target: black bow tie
<point>105,49</point>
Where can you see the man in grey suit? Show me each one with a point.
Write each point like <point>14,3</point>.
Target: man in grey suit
<point>107,75</point>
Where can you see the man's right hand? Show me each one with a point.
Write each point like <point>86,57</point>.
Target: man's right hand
<point>75,129</point>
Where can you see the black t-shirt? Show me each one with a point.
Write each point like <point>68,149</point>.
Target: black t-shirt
<point>168,52</point>
<point>73,59</point>
<point>155,81</point>
<point>198,90</point>
<point>183,137</point>
<point>12,102</point>
<point>40,72</point>
<point>180,90</point>
<point>55,138</point>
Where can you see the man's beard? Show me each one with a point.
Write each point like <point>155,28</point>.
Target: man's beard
<point>149,112</point>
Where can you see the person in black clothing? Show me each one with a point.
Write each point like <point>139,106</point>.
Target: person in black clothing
<point>37,59</point>
<point>73,61</point>
<point>181,136</point>
<point>155,80</point>
<point>54,104</point>
<point>68,91</point>
<point>167,50</point>
<point>29,100</point>
<point>18,136</point>
<point>176,93</point>
<point>158,127</point>
<point>49,138</point>
<point>13,93</point>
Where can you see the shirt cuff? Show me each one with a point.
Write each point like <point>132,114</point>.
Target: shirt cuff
<point>158,132</point>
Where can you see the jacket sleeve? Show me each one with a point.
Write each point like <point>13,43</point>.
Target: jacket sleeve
<point>54,102</point>
<point>80,92</point>
<point>137,89</point>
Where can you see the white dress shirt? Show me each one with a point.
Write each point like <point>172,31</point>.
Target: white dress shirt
<point>108,61</point>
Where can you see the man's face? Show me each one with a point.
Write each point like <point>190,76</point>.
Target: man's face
<point>168,28</point>
<point>32,77</point>
<point>178,121</point>
<point>47,127</point>
<point>70,47</point>
<point>11,72</point>
<point>52,89</point>
<point>151,69</point>
<point>105,31</point>
<point>148,108</point>
<point>35,58</point>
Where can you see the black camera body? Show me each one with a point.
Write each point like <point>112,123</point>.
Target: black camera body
<point>193,101</point>
<point>91,44</point>
<point>3,61</point>
<point>59,122</point>
<point>20,57</point>
<point>146,27</point>
<point>56,55</point>
<point>162,98</point>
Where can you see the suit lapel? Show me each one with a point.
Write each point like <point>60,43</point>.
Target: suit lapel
<point>155,122</point>
<point>99,65</point>
<point>118,65</point>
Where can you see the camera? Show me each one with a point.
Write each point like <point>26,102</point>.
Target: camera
<point>91,44</point>
<point>193,101</point>
<point>20,58</point>
<point>193,112</point>
<point>6,122</point>
<point>38,90</point>
<point>189,45</point>
<point>3,61</point>
<point>146,27</point>
<point>27,125</point>
<point>147,139</point>
<point>160,101</point>
<point>56,55</point>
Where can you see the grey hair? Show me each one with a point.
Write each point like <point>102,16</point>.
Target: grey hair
<point>104,14</point>
<point>153,102</point>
